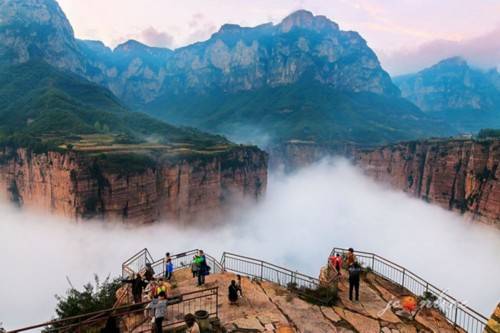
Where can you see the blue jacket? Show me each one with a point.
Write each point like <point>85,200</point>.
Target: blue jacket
<point>170,267</point>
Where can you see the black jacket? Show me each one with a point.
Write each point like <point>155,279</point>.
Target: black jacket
<point>137,285</point>
<point>354,273</point>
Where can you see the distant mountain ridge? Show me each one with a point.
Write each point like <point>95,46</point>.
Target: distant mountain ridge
<point>454,92</point>
<point>208,84</point>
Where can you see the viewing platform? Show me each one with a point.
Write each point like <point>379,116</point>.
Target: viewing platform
<point>277,299</point>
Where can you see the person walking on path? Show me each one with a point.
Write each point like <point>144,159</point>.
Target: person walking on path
<point>138,284</point>
<point>158,308</point>
<point>354,276</point>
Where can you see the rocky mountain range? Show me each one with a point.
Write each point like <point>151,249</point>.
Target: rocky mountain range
<point>454,92</point>
<point>245,83</point>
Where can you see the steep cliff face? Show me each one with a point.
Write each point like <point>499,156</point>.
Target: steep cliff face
<point>80,187</point>
<point>455,174</point>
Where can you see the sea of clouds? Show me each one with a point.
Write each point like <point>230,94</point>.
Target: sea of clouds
<point>301,218</point>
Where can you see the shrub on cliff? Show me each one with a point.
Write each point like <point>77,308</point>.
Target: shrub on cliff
<point>93,297</point>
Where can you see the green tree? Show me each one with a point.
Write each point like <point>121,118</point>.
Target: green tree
<point>93,297</point>
<point>488,133</point>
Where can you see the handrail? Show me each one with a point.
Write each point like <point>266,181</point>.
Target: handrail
<point>271,265</point>
<point>91,317</point>
<point>456,312</point>
<point>266,271</point>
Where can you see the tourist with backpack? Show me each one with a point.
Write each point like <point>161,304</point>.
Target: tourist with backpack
<point>204,269</point>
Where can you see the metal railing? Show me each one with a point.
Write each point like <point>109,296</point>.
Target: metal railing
<point>266,271</point>
<point>184,260</point>
<point>136,263</point>
<point>455,311</point>
<point>132,317</point>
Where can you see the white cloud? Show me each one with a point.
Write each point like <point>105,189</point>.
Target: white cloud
<point>482,51</point>
<point>302,217</point>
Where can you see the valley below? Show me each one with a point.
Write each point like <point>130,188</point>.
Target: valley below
<point>303,215</point>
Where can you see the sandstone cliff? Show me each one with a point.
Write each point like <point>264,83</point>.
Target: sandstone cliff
<point>82,186</point>
<point>460,175</point>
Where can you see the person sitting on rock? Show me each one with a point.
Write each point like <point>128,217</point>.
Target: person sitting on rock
<point>192,325</point>
<point>137,286</point>
<point>233,293</point>
<point>354,276</point>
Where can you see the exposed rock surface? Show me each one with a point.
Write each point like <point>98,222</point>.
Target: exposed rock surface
<point>267,307</point>
<point>460,175</point>
<point>76,186</point>
<point>233,59</point>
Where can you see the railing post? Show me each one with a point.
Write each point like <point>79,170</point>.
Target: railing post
<point>456,314</point>
<point>373,262</point>
<point>403,279</point>
<point>261,270</point>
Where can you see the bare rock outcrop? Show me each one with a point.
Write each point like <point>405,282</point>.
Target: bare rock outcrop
<point>79,186</point>
<point>460,175</point>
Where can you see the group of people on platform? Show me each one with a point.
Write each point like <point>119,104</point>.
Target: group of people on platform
<point>354,270</point>
<point>157,288</point>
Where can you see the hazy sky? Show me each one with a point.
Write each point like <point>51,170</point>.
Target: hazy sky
<point>396,29</point>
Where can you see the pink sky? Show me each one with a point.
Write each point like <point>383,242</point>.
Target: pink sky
<point>393,28</point>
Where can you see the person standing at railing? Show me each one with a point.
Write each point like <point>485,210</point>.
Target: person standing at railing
<point>354,277</point>
<point>203,268</point>
<point>195,267</point>
<point>351,257</point>
<point>158,308</point>
<point>169,269</point>
<point>167,258</point>
<point>138,284</point>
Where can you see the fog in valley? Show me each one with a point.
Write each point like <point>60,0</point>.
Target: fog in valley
<point>296,225</point>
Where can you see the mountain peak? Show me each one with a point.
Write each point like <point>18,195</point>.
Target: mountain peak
<point>456,61</point>
<point>228,27</point>
<point>305,19</point>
